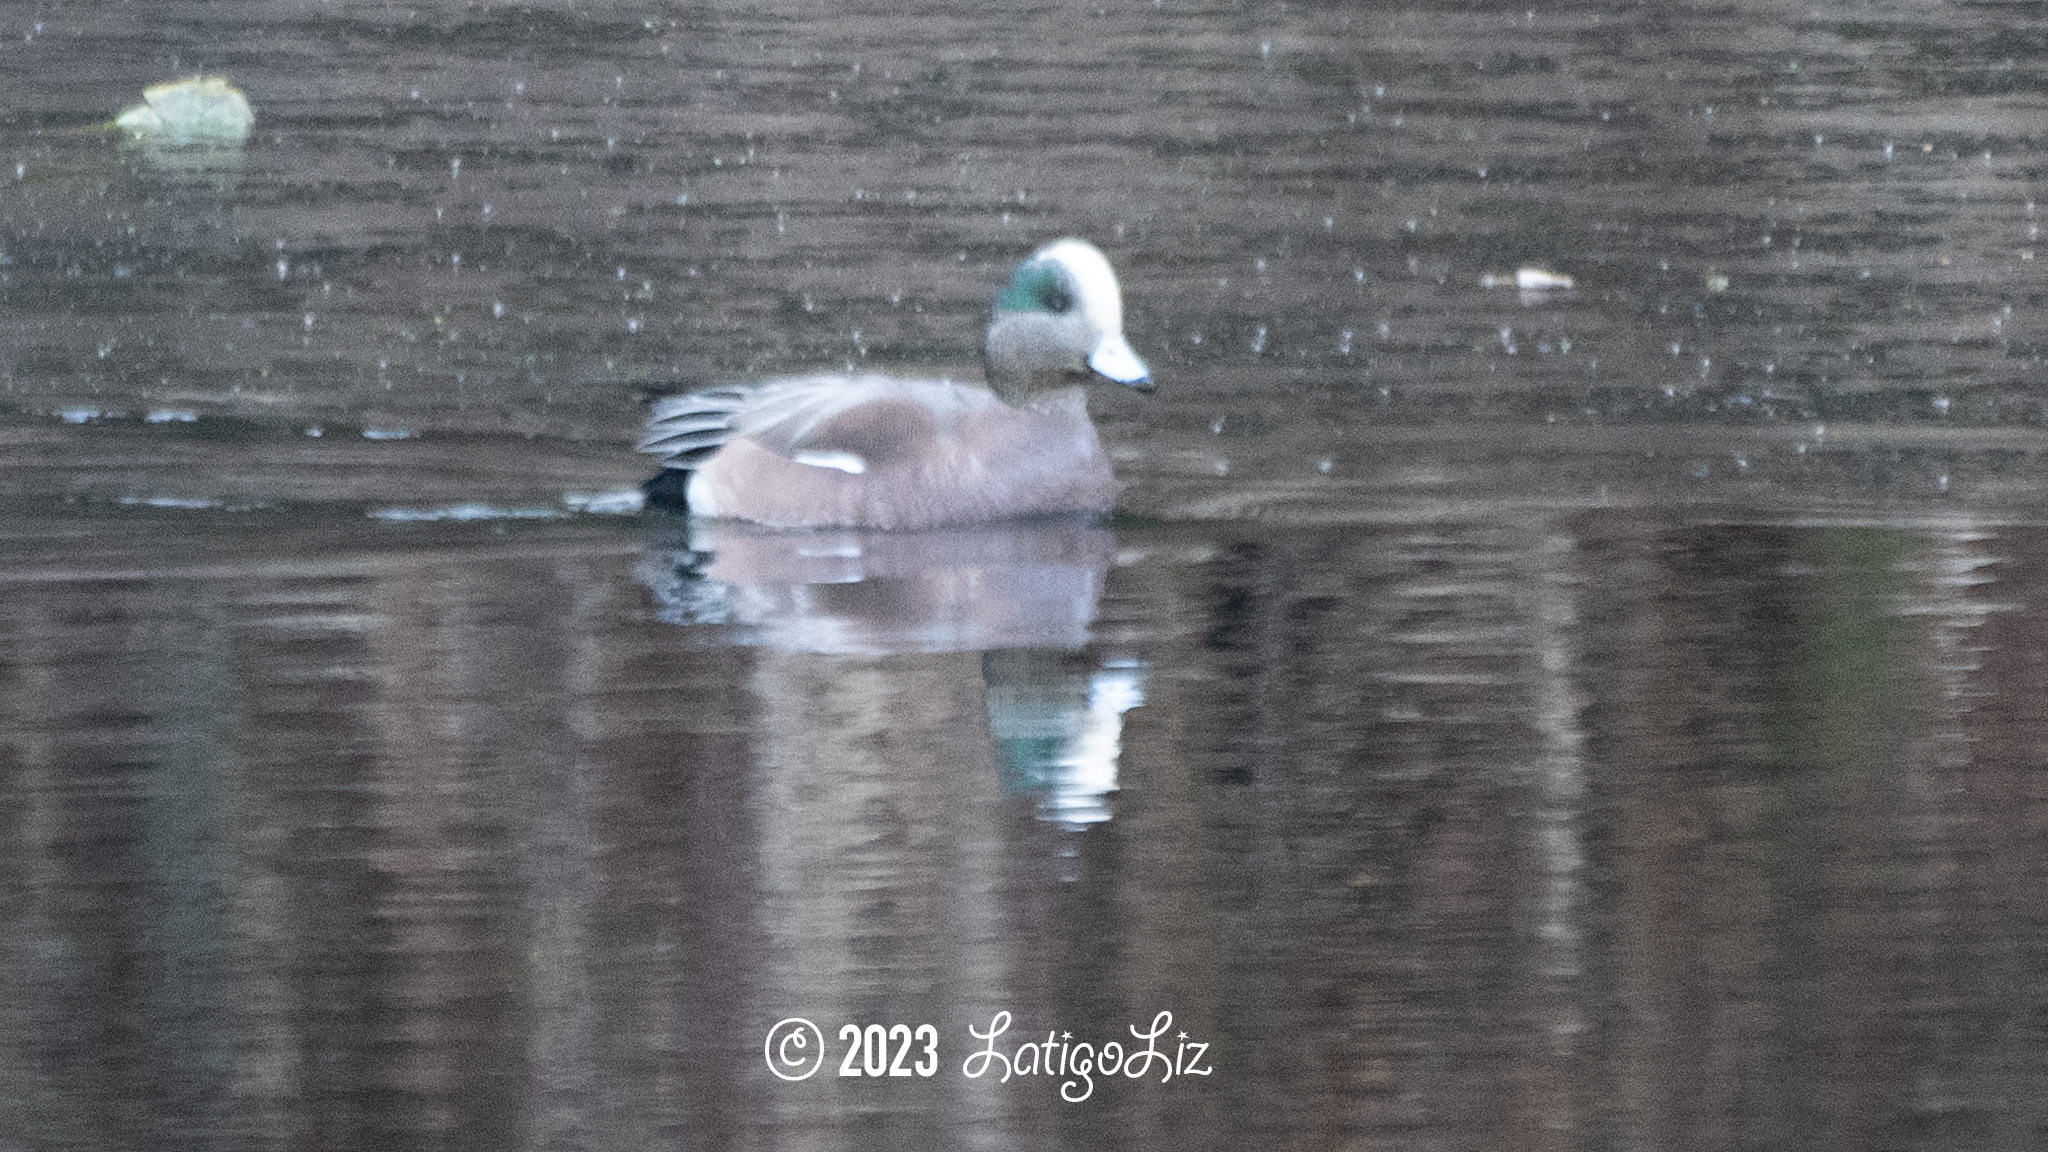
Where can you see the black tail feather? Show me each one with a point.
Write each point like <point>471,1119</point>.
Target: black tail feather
<point>668,490</point>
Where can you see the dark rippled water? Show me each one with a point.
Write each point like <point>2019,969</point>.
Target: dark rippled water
<point>1588,718</point>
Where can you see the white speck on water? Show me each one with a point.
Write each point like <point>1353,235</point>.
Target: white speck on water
<point>1259,341</point>
<point>387,434</point>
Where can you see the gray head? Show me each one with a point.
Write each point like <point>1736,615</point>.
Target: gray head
<point>1061,317</point>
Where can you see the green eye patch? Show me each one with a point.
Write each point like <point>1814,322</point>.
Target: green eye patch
<point>1035,288</point>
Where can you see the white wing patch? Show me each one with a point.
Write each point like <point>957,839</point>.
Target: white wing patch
<point>845,462</point>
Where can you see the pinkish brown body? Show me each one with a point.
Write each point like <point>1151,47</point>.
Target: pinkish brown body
<point>930,452</point>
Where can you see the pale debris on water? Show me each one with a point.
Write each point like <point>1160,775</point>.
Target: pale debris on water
<point>622,502</point>
<point>201,108</point>
<point>1529,279</point>
<point>462,513</point>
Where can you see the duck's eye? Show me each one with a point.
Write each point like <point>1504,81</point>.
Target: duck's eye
<point>1055,297</point>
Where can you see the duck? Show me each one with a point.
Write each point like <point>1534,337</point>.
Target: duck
<point>878,451</point>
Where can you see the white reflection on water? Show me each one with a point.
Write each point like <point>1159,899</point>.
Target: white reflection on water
<point>1059,732</point>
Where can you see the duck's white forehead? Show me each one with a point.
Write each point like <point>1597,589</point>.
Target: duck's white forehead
<point>1094,281</point>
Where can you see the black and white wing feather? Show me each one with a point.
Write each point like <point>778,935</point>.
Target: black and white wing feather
<point>687,430</point>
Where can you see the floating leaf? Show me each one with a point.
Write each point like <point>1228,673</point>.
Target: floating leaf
<point>201,108</point>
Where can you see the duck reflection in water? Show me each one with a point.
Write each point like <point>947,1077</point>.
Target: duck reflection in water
<point>1006,607</point>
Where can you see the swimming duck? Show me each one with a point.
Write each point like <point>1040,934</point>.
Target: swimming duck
<point>874,451</point>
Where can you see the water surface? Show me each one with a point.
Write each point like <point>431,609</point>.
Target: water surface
<point>1586,718</point>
